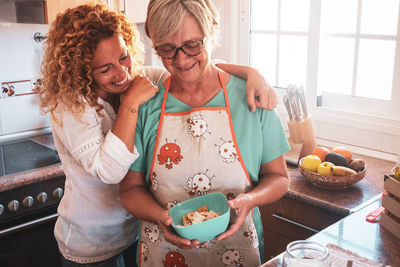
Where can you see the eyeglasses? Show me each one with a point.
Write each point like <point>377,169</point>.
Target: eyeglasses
<point>190,48</point>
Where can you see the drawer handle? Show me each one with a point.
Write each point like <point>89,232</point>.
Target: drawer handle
<point>293,222</point>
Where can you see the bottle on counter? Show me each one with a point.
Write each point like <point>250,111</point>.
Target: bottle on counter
<point>396,168</point>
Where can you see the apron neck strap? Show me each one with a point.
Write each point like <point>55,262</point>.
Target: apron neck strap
<point>168,84</point>
<point>221,80</point>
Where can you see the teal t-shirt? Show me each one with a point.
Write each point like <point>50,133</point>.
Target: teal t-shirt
<point>260,135</point>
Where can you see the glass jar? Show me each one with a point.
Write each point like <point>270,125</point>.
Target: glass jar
<point>304,253</point>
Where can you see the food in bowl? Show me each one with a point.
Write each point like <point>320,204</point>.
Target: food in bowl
<point>198,216</point>
<point>206,230</point>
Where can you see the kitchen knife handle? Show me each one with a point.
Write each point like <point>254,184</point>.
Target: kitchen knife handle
<point>292,96</point>
<point>302,97</point>
<point>289,110</point>
<point>374,215</point>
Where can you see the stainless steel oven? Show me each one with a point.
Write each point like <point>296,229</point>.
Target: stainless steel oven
<point>28,212</point>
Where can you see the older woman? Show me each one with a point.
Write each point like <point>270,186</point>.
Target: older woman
<point>199,123</point>
<point>91,59</point>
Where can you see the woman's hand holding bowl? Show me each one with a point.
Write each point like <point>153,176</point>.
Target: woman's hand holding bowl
<point>165,222</point>
<point>241,206</point>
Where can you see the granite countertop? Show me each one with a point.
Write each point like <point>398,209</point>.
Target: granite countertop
<point>29,177</point>
<point>344,201</point>
<point>355,234</point>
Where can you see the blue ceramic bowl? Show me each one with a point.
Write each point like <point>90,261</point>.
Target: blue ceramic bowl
<point>207,230</point>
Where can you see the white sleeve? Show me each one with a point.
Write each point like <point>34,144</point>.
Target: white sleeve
<point>102,155</point>
<point>155,75</point>
<point>216,61</point>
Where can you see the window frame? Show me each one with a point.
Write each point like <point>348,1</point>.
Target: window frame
<point>385,131</point>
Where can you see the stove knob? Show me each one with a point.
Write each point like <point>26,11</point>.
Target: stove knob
<point>58,193</point>
<point>27,201</point>
<point>42,197</point>
<point>13,205</point>
<point>1,209</point>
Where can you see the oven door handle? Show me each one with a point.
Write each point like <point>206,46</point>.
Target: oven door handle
<point>27,225</point>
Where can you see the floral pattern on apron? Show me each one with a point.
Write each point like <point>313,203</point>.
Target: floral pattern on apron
<point>196,153</point>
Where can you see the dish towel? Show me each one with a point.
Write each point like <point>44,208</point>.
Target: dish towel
<point>342,257</point>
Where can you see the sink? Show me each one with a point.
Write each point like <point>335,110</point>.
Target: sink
<point>24,155</point>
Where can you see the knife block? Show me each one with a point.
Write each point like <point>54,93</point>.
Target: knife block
<point>302,138</point>
<point>390,219</point>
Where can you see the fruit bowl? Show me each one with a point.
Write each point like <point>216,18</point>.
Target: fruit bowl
<point>332,182</point>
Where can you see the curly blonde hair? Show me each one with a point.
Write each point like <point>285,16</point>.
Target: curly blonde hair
<point>69,48</point>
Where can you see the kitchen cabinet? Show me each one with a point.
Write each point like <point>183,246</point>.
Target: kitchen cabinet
<point>135,10</point>
<point>288,219</point>
<point>53,7</point>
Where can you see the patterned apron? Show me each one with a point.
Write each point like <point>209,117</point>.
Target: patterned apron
<point>196,153</point>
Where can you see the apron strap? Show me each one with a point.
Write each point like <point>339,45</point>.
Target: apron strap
<point>160,125</point>
<point>167,85</point>
<point>221,80</point>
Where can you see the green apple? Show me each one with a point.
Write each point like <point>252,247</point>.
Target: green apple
<point>325,168</point>
<point>311,163</point>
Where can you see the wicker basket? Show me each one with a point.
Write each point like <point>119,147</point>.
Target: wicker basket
<point>332,182</point>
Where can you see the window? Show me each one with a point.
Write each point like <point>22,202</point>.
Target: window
<point>346,53</point>
<point>345,48</point>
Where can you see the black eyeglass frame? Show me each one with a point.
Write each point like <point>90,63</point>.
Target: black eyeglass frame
<point>199,42</point>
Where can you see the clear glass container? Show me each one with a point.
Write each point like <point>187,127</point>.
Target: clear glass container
<point>303,253</point>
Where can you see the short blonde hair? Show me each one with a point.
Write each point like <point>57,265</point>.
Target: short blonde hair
<point>164,17</point>
<point>72,39</point>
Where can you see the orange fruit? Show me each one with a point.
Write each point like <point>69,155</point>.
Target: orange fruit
<point>321,152</point>
<point>345,152</point>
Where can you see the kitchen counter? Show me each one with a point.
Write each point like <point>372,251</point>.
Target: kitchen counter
<point>37,175</point>
<point>356,200</point>
<point>354,233</point>
<point>341,202</point>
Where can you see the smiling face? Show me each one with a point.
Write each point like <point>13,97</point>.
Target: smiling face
<point>187,69</point>
<point>111,67</point>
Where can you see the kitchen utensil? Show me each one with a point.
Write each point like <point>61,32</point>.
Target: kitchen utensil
<point>302,98</point>
<point>203,231</point>
<point>287,105</point>
<point>292,97</point>
<point>374,215</point>
<point>297,102</point>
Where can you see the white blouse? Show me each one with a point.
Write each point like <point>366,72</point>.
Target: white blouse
<point>92,224</point>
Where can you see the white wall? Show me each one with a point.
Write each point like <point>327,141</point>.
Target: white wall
<point>228,42</point>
